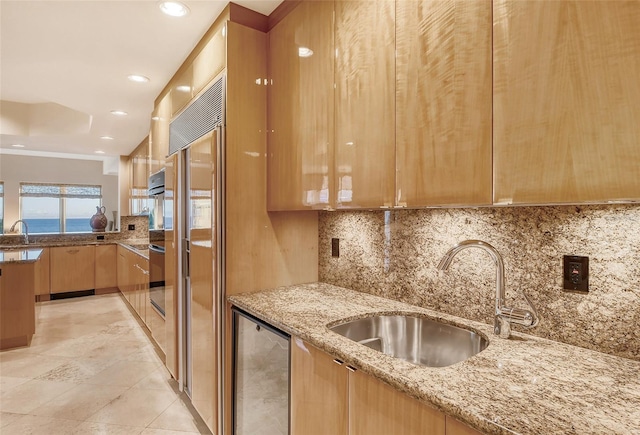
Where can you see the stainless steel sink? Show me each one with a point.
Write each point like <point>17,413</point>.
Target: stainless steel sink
<point>415,339</point>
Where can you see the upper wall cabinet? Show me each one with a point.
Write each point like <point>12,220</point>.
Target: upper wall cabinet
<point>139,167</point>
<point>566,101</point>
<point>211,60</point>
<point>365,103</point>
<point>443,102</point>
<point>159,138</point>
<point>300,108</point>
<point>181,90</point>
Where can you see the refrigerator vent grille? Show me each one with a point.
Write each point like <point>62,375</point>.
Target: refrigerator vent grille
<point>202,116</point>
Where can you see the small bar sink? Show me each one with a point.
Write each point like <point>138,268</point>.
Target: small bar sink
<point>414,339</point>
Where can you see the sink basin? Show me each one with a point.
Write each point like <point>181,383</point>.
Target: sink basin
<point>415,339</point>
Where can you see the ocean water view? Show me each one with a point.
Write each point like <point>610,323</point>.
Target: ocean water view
<point>47,226</point>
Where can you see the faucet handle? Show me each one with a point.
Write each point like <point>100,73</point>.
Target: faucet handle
<point>536,317</point>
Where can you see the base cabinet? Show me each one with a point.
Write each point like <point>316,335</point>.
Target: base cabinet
<point>106,259</point>
<point>328,396</point>
<point>17,307</point>
<point>43,281</point>
<point>319,388</point>
<point>72,268</point>
<point>133,283</point>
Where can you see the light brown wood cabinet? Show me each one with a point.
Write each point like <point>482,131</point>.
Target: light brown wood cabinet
<point>365,103</point>
<point>106,266</point>
<point>329,397</point>
<point>17,304</point>
<point>72,268</point>
<point>43,280</point>
<point>159,136</point>
<point>301,109</point>
<point>211,60</point>
<point>566,92</point>
<point>181,90</point>
<point>139,167</point>
<point>319,388</point>
<point>443,102</point>
<point>133,281</point>
<point>454,427</point>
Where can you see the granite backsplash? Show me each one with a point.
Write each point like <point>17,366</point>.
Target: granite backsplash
<point>140,232</point>
<point>395,253</point>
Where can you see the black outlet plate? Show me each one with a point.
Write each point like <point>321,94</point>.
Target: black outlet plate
<point>575,273</point>
<point>100,237</point>
<point>131,227</point>
<point>335,247</point>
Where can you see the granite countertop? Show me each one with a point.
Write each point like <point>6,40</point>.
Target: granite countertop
<point>19,255</point>
<point>524,385</point>
<point>60,243</point>
<point>140,247</point>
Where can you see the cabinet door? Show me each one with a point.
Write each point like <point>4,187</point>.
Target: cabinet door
<point>72,268</point>
<point>181,90</point>
<point>106,266</point>
<point>566,92</point>
<point>375,407</point>
<point>318,392</point>
<point>139,167</point>
<point>443,102</point>
<point>210,61</point>
<point>365,103</point>
<point>43,284</point>
<point>300,109</point>
<point>159,139</point>
<point>143,293</point>
<point>454,427</point>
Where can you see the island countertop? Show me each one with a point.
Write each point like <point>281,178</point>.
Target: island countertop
<point>523,385</point>
<point>19,255</point>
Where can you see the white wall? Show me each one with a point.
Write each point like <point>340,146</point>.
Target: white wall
<point>15,169</point>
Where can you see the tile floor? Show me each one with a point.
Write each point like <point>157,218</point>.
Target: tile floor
<point>90,369</point>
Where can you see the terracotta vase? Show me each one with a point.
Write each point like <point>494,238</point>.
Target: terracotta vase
<point>99,220</point>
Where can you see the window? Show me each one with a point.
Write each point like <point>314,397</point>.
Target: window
<point>58,208</point>
<point>1,207</point>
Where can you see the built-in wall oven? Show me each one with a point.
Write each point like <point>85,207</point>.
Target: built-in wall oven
<point>156,241</point>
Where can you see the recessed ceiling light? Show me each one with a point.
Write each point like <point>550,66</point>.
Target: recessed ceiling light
<point>99,152</point>
<point>17,145</point>
<point>305,52</point>
<point>106,137</point>
<point>173,8</point>
<point>183,88</point>
<point>138,78</point>
<point>119,112</point>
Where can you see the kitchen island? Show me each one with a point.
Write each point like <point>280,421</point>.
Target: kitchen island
<point>18,272</point>
<point>523,385</point>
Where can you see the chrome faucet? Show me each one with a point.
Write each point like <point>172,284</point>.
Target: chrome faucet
<point>26,230</point>
<point>504,316</point>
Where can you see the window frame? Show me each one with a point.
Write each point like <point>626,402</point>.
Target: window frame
<point>62,196</point>
<point>2,209</point>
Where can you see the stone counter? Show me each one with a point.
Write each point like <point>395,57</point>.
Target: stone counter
<point>19,255</point>
<point>524,385</point>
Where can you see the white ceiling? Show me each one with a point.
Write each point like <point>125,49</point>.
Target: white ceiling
<point>67,63</point>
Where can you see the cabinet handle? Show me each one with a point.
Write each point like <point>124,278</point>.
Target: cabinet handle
<point>72,251</point>
<point>351,369</point>
<point>337,361</point>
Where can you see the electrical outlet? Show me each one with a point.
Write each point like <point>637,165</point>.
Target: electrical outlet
<point>100,237</point>
<point>576,273</point>
<point>131,227</point>
<point>335,247</point>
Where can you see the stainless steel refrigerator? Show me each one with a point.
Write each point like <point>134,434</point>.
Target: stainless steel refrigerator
<point>260,377</point>
<point>197,135</point>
